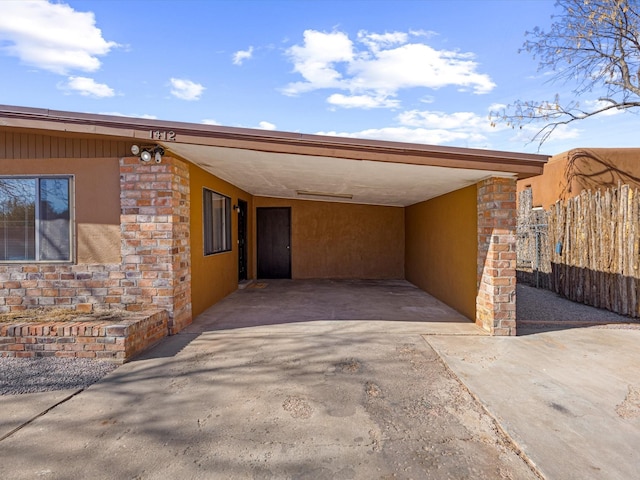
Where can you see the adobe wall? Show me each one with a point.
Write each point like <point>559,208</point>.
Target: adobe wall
<point>441,248</point>
<point>569,173</point>
<point>343,240</point>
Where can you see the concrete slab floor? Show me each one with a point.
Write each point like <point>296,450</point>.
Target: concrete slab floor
<point>369,305</point>
<point>569,399</point>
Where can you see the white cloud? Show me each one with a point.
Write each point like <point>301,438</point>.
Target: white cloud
<point>378,66</point>
<point>52,36</point>
<point>316,60</point>
<point>377,41</point>
<point>434,128</point>
<point>598,104</point>
<point>131,115</point>
<point>88,87</point>
<point>413,135</point>
<point>242,55</point>
<point>210,121</point>
<point>456,120</point>
<point>266,125</point>
<point>362,101</point>
<point>527,134</point>
<point>186,89</point>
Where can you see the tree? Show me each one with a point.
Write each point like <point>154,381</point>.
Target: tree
<point>595,46</point>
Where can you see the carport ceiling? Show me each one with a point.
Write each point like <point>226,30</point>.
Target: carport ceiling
<point>283,175</point>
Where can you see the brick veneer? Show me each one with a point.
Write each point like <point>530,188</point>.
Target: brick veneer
<point>155,271</point>
<point>155,237</point>
<point>496,300</point>
<point>103,340</point>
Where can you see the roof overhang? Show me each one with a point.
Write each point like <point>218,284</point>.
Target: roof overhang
<point>293,165</point>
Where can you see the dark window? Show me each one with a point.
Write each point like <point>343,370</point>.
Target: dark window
<point>217,222</point>
<point>35,219</point>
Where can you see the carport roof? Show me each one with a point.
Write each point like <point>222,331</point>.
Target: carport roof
<point>296,165</point>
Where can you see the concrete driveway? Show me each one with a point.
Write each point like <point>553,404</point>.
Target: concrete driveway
<point>308,386</point>
<point>344,380</point>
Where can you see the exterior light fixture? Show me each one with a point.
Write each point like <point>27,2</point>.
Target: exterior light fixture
<point>148,152</point>
<point>157,153</point>
<point>145,155</point>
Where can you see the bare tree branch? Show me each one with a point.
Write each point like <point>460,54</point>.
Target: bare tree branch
<point>593,44</point>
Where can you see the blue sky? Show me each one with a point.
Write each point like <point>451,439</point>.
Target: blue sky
<point>426,71</point>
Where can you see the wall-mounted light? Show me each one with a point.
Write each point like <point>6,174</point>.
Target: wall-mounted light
<point>236,208</point>
<point>147,152</point>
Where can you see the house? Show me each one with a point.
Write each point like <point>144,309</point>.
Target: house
<point>134,214</point>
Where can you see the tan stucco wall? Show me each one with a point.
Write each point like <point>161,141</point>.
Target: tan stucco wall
<point>569,173</point>
<point>214,276</point>
<point>97,201</point>
<point>343,240</point>
<point>442,248</point>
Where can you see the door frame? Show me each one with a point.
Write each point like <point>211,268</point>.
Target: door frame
<point>288,210</point>
<point>243,250</point>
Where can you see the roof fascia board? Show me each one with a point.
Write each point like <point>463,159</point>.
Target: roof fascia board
<point>271,141</point>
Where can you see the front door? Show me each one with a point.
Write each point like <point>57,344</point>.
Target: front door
<point>242,240</point>
<point>274,242</point>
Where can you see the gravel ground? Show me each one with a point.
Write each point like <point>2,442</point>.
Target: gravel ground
<point>26,375</point>
<point>20,375</point>
<point>539,305</point>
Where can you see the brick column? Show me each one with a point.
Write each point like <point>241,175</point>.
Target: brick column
<point>496,300</point>
<point>156,257</point>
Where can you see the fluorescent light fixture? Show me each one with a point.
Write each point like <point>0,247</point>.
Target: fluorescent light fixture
<point>324,194</point>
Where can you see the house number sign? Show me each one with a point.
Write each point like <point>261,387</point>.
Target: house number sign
<point>165,135</point>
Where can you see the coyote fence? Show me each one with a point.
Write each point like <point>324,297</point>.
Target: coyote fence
<point>594,244</point>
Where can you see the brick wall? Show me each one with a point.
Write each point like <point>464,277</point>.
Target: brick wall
<point>79,287</point>
<point>496,300</point>
<point>103,340</point>
<point>155,270</point>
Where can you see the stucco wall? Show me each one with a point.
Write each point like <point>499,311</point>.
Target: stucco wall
<point>343,240</point>
<point>97,201</point>
<point>214,276</point>
<point>569,173</point>
<point>441,248</point>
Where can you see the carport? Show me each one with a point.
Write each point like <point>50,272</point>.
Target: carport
<point>442,218</point>
<point>315,207</point>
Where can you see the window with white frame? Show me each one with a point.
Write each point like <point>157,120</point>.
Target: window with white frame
<point>217,222</point>
<point>35,219</point>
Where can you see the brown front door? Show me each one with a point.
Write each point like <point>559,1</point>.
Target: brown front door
<point>274,242</point>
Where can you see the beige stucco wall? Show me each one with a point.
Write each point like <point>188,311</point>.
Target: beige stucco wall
<point>97,201</point>
<point>343,240</point>
<point>441,248</point>
<point>214,276</point>
<point>569,173</point>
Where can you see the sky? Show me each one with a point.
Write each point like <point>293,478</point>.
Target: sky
<point>422,71</point>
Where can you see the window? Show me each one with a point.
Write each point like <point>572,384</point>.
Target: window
<point>217,222</point>
<point>35,219</point>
